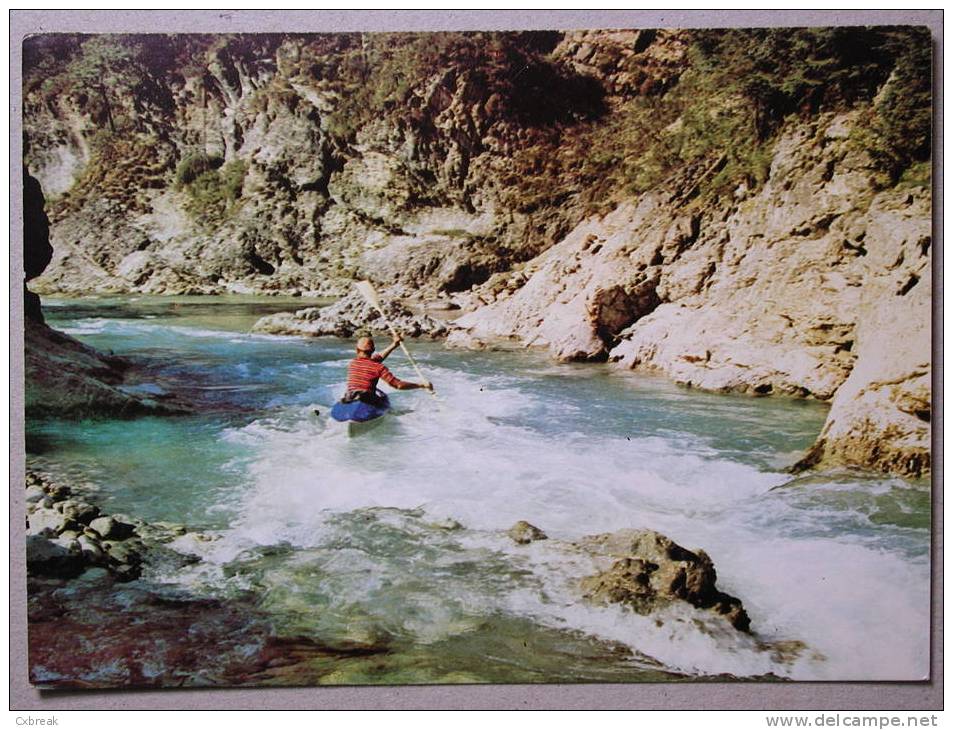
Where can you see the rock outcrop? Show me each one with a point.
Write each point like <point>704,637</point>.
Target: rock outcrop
<point>349,315</point>
<point>256,169</point>
<point>816,285</point>
<point>64,377</point>
<point>644,570</point>
<point>37,251</point>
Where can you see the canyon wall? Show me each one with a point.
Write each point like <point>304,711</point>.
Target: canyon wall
<point>741,210</point>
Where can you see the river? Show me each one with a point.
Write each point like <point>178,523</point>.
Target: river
<point>399,535</point>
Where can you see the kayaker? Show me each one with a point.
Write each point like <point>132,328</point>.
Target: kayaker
<point>367,368</point>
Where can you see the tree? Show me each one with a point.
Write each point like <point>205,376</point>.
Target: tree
<point>106,66</point>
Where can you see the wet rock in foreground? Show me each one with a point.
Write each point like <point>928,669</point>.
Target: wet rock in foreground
<point>645,570</point>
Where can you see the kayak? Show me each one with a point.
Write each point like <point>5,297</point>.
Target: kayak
<point>360,416</point>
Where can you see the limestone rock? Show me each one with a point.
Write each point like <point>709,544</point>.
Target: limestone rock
<point>523,533</point>
<point>645,569</point>
<point>792,290</point>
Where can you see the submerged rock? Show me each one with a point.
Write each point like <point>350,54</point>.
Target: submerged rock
<point>645,570</point>
<point>65,378</point>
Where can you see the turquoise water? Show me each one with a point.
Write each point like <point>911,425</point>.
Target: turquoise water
<point>398,536</point>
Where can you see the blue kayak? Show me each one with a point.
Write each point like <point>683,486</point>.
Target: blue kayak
<point>359,415</point>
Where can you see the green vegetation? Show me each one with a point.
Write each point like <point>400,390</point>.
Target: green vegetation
<point>193,165</point>
<point>508,74</point>
<point>213,193</point>
<point>121,169</point>
<point>801,71</point>
<point>562,139</point>
<point>719,123</point>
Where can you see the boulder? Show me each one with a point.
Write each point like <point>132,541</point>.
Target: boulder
<point>78,511</point>
<point>92,550</point>
<point>523,533</point>
<point>44,557</point>
<point>644,570</point>
<point>109,528</point>
<point>43,521</point>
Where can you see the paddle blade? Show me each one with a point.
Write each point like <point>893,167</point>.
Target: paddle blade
<point>369,293</point>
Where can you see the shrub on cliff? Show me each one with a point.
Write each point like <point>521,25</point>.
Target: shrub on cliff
<point>785,71</point>
<point>193,165</point>
<point>509,77</point>
<point>213,193</point>
<point>740,86</point>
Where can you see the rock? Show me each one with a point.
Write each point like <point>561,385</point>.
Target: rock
<point>34,494</point>
<point>45,520</point>
<point>348,316</point>
<point>92,551</point>
<point>65,378</point>
<point>37,251</point>
<point>644,569</point>
<point>69,543</point>
<point>78,511</point>
<point>111,529</point>
<point>449,524</point>
<point>57,492</point>
<point>123,552</point>
<point>44,557</point>
<point>94,575</point>
<point>881,416</point>
<point>523,533</point>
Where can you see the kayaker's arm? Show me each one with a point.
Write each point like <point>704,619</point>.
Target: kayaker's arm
<point>394,382</point>
<point>382,355</point>
<point>404,385</point>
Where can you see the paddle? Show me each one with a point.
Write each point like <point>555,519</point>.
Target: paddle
<point>370,294</point>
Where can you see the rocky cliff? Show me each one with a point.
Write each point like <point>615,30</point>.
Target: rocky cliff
<point>742,210</point>
<point>817,285</point>
<point>64,377</point>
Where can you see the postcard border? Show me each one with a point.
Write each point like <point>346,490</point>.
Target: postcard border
<point>758,696</point>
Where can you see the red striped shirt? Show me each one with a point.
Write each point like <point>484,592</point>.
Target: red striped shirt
<point>363,373</point>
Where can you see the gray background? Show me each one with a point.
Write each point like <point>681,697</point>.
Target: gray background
<point>756,696</point>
